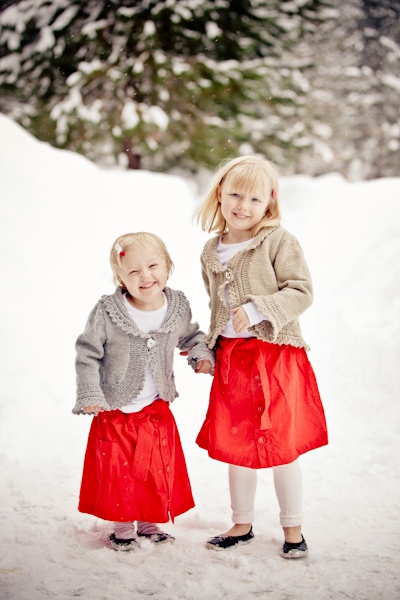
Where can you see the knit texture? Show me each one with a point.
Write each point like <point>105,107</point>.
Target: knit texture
<point>288,482</point>
<point>289,492</point>
<point>271,271</point>
<point>112,353</point>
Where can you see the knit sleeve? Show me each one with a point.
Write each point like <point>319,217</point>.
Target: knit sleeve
<point>295,293</point>
<point>206,280</point>
<point>193,340</point>
<point>89,353</point>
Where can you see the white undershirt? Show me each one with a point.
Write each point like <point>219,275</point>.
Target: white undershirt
<point>225,253</point>
<point>146,321</point>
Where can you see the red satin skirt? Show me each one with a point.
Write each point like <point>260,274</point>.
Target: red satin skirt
<point>265,408</point>
<point>134,467</point>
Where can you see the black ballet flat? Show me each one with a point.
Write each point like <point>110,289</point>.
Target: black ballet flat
<point>223,542</point>
<point>158,538</point>
<point>295,550</point>
<point>121,544</point>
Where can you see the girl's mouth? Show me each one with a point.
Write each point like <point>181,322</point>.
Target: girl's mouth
<point>147,286</point>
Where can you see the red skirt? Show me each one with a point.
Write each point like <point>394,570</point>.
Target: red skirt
<point>265,408</point>
<point>134,467</point>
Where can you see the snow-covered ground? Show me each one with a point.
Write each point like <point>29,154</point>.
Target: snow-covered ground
<point>59,216</point>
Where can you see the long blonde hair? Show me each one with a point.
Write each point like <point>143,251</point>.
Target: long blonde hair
<point>146,240</point>
<point>252,175</point>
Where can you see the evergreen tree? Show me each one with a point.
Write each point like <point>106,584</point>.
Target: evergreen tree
<point>351,111</point>
<point>184,82</point>
<point>379,24</point>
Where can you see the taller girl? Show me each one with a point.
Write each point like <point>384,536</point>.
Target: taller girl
<point>265,409</point>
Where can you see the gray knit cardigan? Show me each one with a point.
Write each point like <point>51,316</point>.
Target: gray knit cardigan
<point>271,272</point>
<point>112,353</point>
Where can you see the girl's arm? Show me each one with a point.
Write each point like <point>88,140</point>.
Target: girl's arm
<point>193,342</point>
<point>89,353</point>
<point>295,292</point>
<point>206,281</point>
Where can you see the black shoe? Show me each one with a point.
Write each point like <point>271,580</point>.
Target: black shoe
<point>125,545</point>
<point>298,550</point>
<point>158,538</point>
<point>222,542</point>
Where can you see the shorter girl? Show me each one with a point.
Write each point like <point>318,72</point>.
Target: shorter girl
<point>134,468</point>
<point>265,409</point>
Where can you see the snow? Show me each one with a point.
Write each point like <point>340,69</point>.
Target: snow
<point>392,81</point>
<point>65,18</point>
<point>59,216</point>
<point>129,114</point>
<point>212,30</point>
<point>156,115</point>
<point>46,40</point>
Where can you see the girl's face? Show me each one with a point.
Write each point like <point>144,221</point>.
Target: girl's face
<point>144,274</point>
<point>242,211</point>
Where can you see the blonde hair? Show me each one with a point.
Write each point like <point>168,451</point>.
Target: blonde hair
<point>252,175</point>
<point>144,239</point>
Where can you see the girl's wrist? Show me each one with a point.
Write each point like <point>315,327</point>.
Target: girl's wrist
<point>253,314</point>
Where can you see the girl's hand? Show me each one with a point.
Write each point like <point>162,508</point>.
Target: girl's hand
<point>203,366</point>
<point>240,319</point>
<point>92,409</point>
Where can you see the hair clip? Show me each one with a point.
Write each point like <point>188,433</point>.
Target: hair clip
<point>119,250</point>
<point>274,193</point>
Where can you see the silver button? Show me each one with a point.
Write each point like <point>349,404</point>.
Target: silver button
<point>150,343</point>
<point>229,275</point>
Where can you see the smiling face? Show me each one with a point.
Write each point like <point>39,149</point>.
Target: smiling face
<point>242,208</point>
<point>144,274</point>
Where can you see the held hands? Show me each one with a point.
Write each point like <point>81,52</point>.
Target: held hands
<point>202,366</point>
<point>240,319</point>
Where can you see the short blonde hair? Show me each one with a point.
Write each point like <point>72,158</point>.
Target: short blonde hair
<point>144,239</point>
<point>252,175</point>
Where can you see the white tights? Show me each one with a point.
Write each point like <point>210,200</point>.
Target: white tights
<point>288,487</point>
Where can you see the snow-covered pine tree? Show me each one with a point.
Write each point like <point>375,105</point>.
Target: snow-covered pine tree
<point>351,109</point>
<point>379,27</point>
<point>178,83</point>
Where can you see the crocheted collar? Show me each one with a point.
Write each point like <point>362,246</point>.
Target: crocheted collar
<point>115,307</point>
<point>210,256</point>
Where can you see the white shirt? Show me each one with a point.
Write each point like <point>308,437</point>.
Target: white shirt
<point>146,320</point>
<point>225,253</point>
